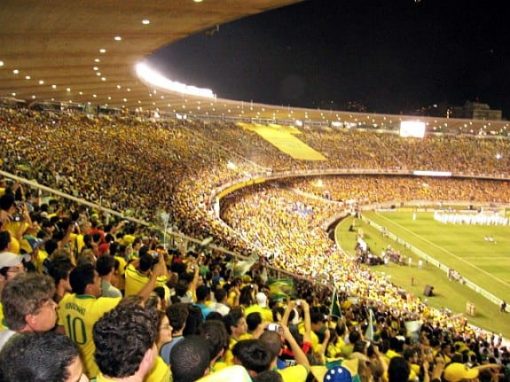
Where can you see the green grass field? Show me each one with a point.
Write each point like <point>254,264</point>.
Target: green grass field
<point>460,247</point>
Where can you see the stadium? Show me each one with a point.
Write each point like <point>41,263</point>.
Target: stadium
<point>385,237</point>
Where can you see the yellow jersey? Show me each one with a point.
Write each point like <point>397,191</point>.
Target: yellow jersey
<point>78,314</point>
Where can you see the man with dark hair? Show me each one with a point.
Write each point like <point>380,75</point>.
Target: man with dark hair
<point>216,335</point>
<point>203,294</point>
<point>317,323</point>
<point>220,295</point>
<point>273,341</point>
<point>177,315</point>
<point>59,269</point>
<point>190,359</point>
<point>139,271</point>
<point>253,320</point>
<point>398,369</point>
<point>5,239</point>
<point>28,305</point>
<point>41,357</point>
<point>125,342</point>
<point>79,311</point>
<point>253,355</point>
<point>235,323</point>
<point>105,267</point>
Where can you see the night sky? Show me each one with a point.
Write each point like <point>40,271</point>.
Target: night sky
<point>393,56</point>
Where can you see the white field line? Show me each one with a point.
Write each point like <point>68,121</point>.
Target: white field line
<point>489,275</point>
<point>488,257</point>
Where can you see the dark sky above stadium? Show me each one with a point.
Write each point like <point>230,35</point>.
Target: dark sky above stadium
<point>391,55</point>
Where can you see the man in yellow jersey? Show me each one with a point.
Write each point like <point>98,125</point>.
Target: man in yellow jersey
<point>138,272</point>
<point>235,323</point>
<point>79,311</point>
<point>120,359</point>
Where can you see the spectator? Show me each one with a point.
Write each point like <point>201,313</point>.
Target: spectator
<point>138,274</point>
<point>59,269</point>
<point>79,311</point>
<point>203,294</point>
<point>28,305</point>
<point>105,267</point>
<point>177,315</point>
<point>190,359</point>
<point>236,326</point>
<point>117,358</point>
<point>216,335</point>
<point>41,357</point>
<point>220,295</point>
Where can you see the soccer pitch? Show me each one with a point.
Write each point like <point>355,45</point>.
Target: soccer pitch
<point>460,247</point>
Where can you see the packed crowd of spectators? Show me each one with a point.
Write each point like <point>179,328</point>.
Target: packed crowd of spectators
<point>376,189</point>
<point>371,150</point>
<point>84,295</point>
<point>142,168</point>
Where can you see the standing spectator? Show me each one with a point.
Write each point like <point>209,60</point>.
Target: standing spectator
<point>105,267</point>
<point>177,316</point>
<point>220,295</point>
<point>28,305</point>
<point>59,269</point>
<point>125,343</point>
<point>41,357</point>
<point>79,311</point>
<point>190,359</point>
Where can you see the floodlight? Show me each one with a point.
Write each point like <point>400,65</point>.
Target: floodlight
<point>156,79</point>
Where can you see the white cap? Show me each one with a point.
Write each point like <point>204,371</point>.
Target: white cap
<point>8,259</point>
<point>261,299</point>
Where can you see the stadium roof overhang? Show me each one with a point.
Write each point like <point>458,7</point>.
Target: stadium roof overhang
<point>86,51</point>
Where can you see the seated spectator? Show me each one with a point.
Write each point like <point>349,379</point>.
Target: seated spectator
<point>28,305</point>
<point>119,359</point>
<point>41,357</point>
